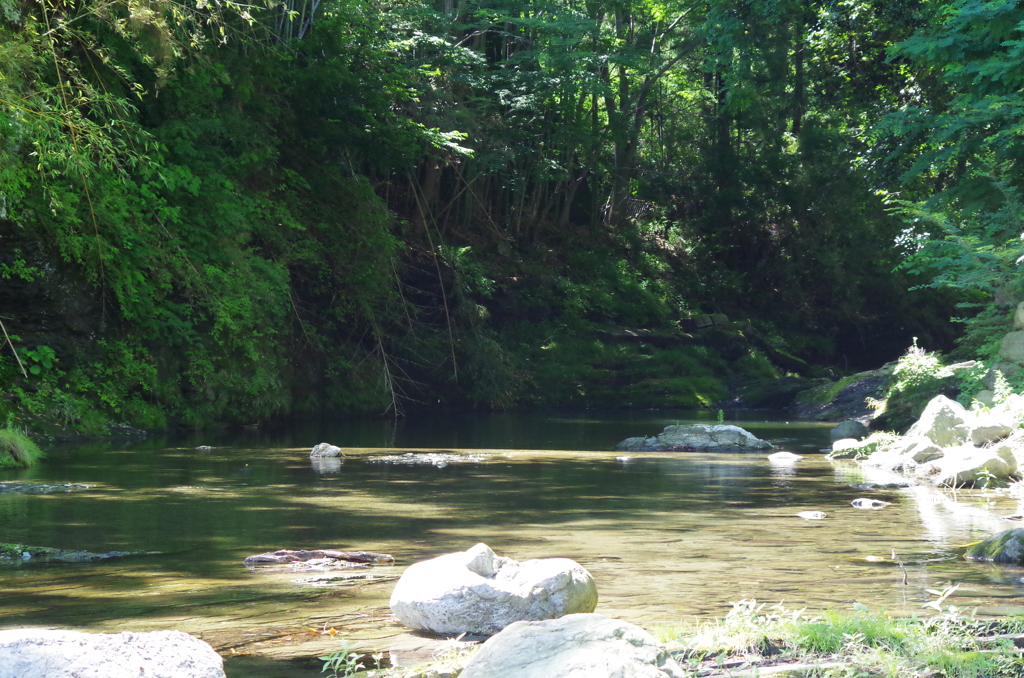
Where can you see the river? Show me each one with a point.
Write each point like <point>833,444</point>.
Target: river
<point>669,537</point>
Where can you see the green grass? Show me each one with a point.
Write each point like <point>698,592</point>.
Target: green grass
<point>947,643</point>
<point>16,450</point>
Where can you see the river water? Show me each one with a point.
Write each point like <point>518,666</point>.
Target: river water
<point>669,537</point>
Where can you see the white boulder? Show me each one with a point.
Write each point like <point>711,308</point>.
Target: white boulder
<point>944,421</point>
<point>574,646</point>
<point>478,592</point>
<point>967,465</point>
<point>990,428</point>
<point>41,653</point>
<point>325,450</point>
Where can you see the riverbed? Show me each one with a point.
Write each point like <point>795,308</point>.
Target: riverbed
<point>669,537</point>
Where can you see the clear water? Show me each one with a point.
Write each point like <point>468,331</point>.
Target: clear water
<point>668,536</point>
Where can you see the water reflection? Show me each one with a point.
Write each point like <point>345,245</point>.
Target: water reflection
<point>325,464</point>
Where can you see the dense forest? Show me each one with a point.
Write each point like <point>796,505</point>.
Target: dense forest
<point>223,213</point>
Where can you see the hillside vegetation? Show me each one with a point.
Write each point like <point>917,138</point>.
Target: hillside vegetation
<point>224,213</point>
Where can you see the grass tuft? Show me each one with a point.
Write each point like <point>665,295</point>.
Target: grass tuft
<point>16,449</point>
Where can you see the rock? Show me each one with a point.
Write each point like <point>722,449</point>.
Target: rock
<point>848,429</point>
<point>326,450</point>
<point>812,515</point>
<point>1012,347</point>
<point>477,592</point>
<point>989,428</point>
<point>986,397</point>
<point>874,504</point>
<point>843,399</point>
<point>286,556</point>
<point>968,465</point>
<point>784,458</point>
<point>848,448</point>
<point>916,449</point>
<point>944,421</point>
<point>1008,371</point>
<point>39,653</point>
<point>18,552</point>
<point>697,437</point>
<point>590,645</point>
<point>1018,317</point>
<point>776,394</point>
<point>639,444</point>
<point>1005,547</point>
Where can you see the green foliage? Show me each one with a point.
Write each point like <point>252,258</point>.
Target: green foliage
<point>918,376</point>
<point>959,152</point>
<point>342,662</point>
<point>17,449</point>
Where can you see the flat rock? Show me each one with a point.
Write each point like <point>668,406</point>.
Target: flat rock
<point>698,437</point>
<point>478,592</point>
<point>42,488</point>
<point>41,653</point>
<point>576,645</point>
<point>284,556</point>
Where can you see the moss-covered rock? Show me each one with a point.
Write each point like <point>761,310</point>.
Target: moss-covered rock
<point>849,448</point>
<point>1005,547</point>
<point>846,398</point>
<point>775,393</point>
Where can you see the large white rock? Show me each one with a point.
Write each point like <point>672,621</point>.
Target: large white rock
<point>944,421</point>
<point>574,646</point>
<point>477,592</point>
<point>41,653</point>
<point>967,465</point>
<point>990,428</point>
<point>321,450</point>
<point>905,452</point>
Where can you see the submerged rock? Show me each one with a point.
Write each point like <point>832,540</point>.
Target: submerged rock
<point>478,592</point>
<point>19,553</point>
<point>590,645</point>
<point>42,488</point>
<point>40,653</point>
<point>697,437</point>
<point>284,556</point>
<point>874,504</point>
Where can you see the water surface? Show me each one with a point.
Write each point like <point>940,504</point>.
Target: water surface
<point>668,536</point>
